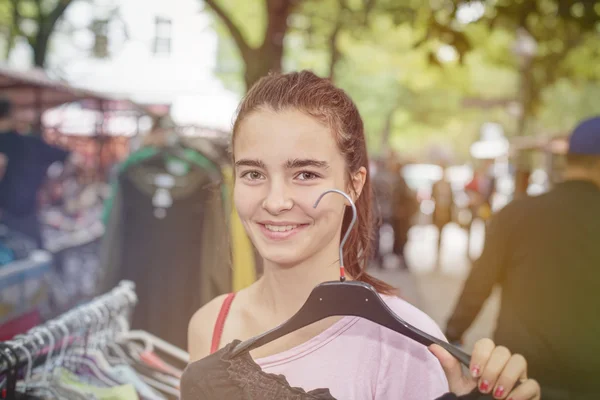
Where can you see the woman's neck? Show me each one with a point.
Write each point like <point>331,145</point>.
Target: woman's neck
<point>283,290</point>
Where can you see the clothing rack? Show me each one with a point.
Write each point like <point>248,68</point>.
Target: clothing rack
<point>24,293</point>
<point>42,342</point>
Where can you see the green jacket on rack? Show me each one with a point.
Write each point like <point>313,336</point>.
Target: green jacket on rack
<point>178,262</point>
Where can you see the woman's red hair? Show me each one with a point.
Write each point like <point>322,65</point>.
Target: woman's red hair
<point>319,98</point>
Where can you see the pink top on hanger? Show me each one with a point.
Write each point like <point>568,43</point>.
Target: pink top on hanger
<point>358,359</point>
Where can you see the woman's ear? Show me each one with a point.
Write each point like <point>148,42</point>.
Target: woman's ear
<point>358,182</point>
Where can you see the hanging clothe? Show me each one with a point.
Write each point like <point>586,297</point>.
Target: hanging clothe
<point>222,376</point>
<point>180,259</point>
<point>354,346</point>
<point>89,354</point>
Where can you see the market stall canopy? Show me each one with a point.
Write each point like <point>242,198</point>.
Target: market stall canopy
<point>32,92</point>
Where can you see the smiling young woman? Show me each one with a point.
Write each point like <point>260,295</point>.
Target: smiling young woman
<point>296,136</point>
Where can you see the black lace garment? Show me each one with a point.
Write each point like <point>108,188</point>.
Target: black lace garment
<point>223,377</point>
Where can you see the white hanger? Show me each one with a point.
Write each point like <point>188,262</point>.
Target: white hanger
<point>150,342</point>
<point>20,345</point>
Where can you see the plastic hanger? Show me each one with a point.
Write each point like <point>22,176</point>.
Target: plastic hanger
<point>175,147</point>
<point>91,355</point>
<point>94,352</point>
<point>8,354</point>
<point>20,345</point>
<point>342,298</point>
<point>42,383</point>
<point>111,351</point>
<point>152,342</point>
<point>27,385</point>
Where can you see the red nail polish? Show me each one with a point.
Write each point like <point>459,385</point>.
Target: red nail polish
<point>499,391</point>
<point>475,372</point>
<point>484,386</point>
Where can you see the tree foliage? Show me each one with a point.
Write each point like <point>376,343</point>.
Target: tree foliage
<point>34,20</point>
<point>566,36</point>
<point>432,72</point>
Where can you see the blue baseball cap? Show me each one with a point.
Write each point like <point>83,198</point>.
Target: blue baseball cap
<point>585,139</point>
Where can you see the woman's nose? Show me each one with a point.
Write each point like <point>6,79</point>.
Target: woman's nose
<point>278,200</point>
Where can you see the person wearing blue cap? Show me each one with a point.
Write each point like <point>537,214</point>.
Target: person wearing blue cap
<point>544,252</point>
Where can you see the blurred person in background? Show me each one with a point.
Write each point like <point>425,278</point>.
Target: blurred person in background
<point>480,190</point>
<point>395,205</point>
<point>405,207</point>
<point>23,170</point>
<point>443,197</point>
<point>544,253</point>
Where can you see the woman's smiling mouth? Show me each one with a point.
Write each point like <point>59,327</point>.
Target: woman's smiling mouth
<point>280,230</point>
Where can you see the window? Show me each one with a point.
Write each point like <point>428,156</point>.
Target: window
<point>162,35</point>
<point>100,30</point>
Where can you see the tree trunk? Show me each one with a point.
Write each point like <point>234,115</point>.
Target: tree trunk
<point>40,49</point>
<point>523,162</point>
<point>46,25</point>
<point>334,53</point>
<point>258,62</point>
<point>268,57</point>
<point>387,129</point>
<point>10,42</point>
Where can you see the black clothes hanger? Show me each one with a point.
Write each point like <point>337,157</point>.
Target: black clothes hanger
<point>354,298</point>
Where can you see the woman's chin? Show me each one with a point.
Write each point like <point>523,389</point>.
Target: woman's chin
<point>283,259</point>
<point>283,262</point>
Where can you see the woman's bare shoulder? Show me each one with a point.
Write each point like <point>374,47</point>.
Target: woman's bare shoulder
<point>201,326</point>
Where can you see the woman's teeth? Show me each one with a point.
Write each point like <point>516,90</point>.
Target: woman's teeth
<point>280,228</point>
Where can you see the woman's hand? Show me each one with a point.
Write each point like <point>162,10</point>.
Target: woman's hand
<point>493,370</point>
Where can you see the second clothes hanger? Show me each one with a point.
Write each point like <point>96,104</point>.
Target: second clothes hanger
<point>351,298</point>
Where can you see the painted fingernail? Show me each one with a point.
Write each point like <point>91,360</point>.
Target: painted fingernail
<point>484,386</point>
<point>499,391</point>
<point>475,372</point>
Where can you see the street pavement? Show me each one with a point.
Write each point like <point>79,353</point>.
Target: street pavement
<point>434,289</point>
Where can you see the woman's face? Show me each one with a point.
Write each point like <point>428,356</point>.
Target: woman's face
<point>283,161</point>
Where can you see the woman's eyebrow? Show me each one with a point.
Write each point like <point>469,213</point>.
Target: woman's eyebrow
<point>307,162</point>
<point>250,163</point>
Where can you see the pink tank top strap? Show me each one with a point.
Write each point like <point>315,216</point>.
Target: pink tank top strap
<point>218,331</point>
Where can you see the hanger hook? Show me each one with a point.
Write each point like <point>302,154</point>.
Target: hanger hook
<point>94,325</point>
<point>106,309</point>
<point>347,234</point>
<point>48,364</point>
<point>17,342</point>
<point>64,341</point>
<point>102,321</point>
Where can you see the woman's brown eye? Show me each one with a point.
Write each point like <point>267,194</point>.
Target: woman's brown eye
<point>254,175</point>
<point>307,176</point>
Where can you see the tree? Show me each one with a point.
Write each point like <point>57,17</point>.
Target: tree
<point>561,29</point>
<point>416,69</point>
<point>321,25</point>
<point>35,20</point>
<point>268,55</point>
